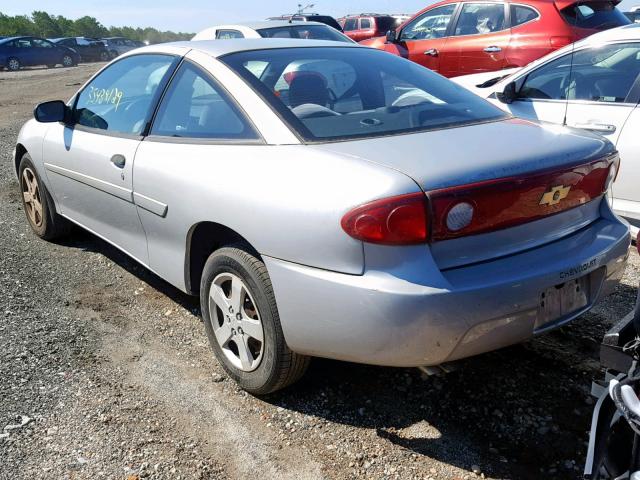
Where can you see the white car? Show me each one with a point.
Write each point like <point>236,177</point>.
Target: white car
<point>273,29</point>
<point>594,85</point>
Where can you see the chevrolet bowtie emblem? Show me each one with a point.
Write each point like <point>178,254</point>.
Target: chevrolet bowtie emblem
<point>553,196</point>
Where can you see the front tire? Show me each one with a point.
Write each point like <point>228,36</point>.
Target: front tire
<point>242,323</point>
<point>38,204</point>
<point>13,64</point>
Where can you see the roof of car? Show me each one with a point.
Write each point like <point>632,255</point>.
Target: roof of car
<point>267,24</point>
<point>218,48</point>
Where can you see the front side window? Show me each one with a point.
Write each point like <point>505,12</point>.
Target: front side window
<point>23,43</point>
<point>351,24</point>
<point>196,107</point>
<point>228,34</point>
<point>429,25</point>
<point>341,93</point>
<point>603,74</point>
<point>521,14</point>
<point>594,15</point>
<point>307,32</point>
<point>480,18</point>
<point>120,98</point>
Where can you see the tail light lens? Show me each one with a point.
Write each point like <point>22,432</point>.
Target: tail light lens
<point>507,202</point>
<point>400,220</point>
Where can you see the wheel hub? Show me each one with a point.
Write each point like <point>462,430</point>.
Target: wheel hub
<point>236,322</point>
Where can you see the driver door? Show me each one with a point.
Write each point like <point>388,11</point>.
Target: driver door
<point>89,163</point>
<point>424,40</point>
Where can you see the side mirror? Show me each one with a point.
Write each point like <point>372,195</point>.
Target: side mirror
<point>392,36</point>
<point>509,94</point>
<point>49,112</point>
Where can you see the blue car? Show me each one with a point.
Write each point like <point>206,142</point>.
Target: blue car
<point>18,52</point>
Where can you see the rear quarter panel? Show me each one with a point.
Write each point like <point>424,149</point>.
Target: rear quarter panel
<point>286,201</point>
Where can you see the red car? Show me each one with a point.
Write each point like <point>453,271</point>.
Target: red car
<point>463,37</point>
<point>367,25</point>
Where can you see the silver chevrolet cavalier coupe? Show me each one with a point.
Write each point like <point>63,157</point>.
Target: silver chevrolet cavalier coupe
<point>330,200</point>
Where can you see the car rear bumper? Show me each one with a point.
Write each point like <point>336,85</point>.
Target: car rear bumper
<point>397,318</point>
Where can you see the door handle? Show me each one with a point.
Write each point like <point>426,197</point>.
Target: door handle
<point>119,160</point>
<point>432,52</point>
<point>493,49</point>
<point>596,127</point>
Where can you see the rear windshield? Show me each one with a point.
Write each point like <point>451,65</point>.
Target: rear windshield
<point>308,32</point>
<point>327,93</point>
<point>594,15</point>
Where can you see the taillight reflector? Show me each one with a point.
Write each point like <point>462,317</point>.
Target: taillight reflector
<point>400,220</point>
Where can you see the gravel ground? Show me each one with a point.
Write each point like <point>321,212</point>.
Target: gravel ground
<point>105,372</point>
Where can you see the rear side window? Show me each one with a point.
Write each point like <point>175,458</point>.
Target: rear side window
<point>521,14</point>
<point>120,98</point>
<point>228,34</point>
<point>196,107</point>
<point>594,15</point>
<point>365,23</point>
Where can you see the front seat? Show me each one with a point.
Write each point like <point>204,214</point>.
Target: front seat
<point>308,87</point>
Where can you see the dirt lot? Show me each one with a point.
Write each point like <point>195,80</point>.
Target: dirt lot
<point>109,370</point>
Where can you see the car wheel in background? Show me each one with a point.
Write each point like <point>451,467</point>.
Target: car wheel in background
<point>105,56</point>
<point>113,54</point>
<point>38,204</point>
<point>67,61</point>
<point>242,323</point>
<point>13,64</point>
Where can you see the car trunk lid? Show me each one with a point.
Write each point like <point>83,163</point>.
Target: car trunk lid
<point>528,184</point>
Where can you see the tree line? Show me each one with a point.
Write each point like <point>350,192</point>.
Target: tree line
<point>41,24</point>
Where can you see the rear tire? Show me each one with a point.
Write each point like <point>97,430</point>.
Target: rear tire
<point>13,64</point>
<point>38,204</point>
<point>269,365</point>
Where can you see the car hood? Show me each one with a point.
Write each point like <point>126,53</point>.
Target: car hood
<point>471,82</point>
<point>474,153</point>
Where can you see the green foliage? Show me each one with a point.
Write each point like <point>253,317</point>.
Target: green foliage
<point>42,24</point>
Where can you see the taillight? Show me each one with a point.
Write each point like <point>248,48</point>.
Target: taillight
<point>400,220</point>
<point>506,202</point>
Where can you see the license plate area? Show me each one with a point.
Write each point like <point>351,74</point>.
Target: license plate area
<point>562,300</point>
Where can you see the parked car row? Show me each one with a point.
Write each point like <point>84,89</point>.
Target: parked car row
<point>26,51</point>
<point>18,52</point>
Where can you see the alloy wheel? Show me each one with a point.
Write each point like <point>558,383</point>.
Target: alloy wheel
<point>67,61</point>
<point>32,199</point>
<point>236,322</point>
<point>14,64</point>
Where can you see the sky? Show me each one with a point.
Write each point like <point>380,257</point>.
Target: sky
<point>194,15</point>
